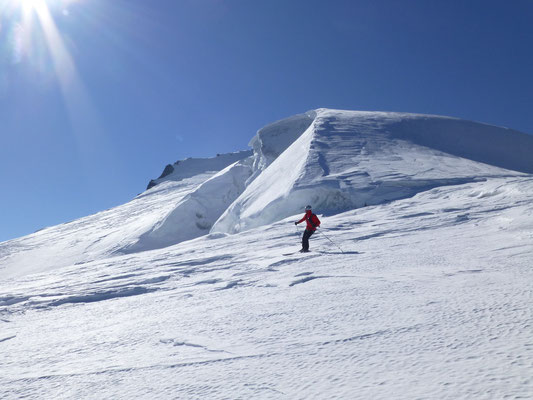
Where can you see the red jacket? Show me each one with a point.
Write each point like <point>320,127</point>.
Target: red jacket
<point>312,221</point>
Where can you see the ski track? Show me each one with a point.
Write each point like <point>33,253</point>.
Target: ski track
<point>428,301</point>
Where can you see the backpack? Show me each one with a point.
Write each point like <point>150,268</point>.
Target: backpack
<point>313,220</point>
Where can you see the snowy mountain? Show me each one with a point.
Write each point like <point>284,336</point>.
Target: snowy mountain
<point>418,285</point>
<point>191,167</point>
<point>345,160</point>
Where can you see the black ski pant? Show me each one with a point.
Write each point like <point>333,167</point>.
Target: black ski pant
<point>305,239</point>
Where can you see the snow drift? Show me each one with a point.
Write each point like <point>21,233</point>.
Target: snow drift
<point>182,206</point>
<point>183,169</point>
<point>194,214</point>
<point>273,139</point>
<point>348,159</point>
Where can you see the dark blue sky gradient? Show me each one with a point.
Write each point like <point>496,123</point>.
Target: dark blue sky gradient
<point>170,79</point>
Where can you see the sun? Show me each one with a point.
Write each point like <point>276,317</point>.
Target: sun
<point>36,19</point>
<point>28,3</point>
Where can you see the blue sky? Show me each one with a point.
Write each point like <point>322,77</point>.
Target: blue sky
<point>96,96</point>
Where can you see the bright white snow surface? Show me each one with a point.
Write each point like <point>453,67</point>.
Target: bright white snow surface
<point>191,167</point>
<point>423,294</point>
<point>348,159</point>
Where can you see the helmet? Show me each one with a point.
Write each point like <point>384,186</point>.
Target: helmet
<point>307,208</point>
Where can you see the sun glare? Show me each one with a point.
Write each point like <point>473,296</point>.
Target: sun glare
<point>31,32</point>
<point>28,5</point>
<point>36,18</point>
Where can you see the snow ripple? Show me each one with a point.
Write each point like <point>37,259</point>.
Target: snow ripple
<point>102,296</point>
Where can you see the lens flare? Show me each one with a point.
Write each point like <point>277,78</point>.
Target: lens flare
<point>34,42</point>
<point>29,3</point>
<point>25,5</point>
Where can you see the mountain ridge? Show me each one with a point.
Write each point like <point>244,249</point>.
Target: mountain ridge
<point>351,158</point>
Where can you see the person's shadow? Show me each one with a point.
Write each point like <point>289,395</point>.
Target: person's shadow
<point>338,252</point>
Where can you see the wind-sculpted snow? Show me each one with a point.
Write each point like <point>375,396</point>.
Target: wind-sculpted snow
<point>426,297</point>
<point>349,159</point>
<point>274,139</point>
<point>97,236</point>
<point>195,213</point>
<point>501,147</point>
<point>167,214</point>
<point>191,167</point>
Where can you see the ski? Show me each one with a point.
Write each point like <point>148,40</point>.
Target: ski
<point>296,252</point>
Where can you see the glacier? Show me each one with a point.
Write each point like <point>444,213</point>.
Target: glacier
<point>418,284</point>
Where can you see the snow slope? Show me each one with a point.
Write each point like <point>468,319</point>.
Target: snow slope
<point>275,138</point>
<point>335,160</point>
<point>194,214</point>
<point>191,167</point>
<point>348,159</point>
<point>94,237</point>
<point>425,292</point>
<point>431,299</point>
<point>169,213</point>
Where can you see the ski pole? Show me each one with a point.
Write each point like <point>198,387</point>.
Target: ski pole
<point>331,241</point>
